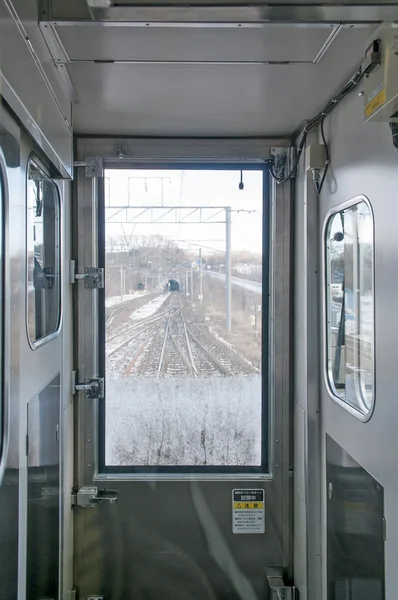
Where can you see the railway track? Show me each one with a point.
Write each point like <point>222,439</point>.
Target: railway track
<point>183,353</point>
<point>164,344</point>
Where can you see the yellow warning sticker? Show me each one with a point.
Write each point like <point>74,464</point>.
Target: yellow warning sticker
<point>375,100</point>
<point>248,514</point>
<point>248,505</point>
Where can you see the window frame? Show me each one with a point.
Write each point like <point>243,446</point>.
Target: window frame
<point>4,400</point>
<point>35,344</point>
<point>264,469</point>
<point>328,376</point>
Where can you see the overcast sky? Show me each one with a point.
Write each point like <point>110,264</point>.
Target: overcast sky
<point>188,188</point>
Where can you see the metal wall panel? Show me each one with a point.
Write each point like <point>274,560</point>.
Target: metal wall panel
<point>43,493</point>
<point>365,162</point>
<point>355,529</point>
<point>31,90</point>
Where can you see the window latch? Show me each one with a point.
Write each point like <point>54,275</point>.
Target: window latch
<point>92,276</point>
<point>91,497</point>
<point>92,388</point>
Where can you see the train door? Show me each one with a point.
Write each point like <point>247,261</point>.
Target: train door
<point>182,278</point>
<point>32,366</point>
<point>358,408</point>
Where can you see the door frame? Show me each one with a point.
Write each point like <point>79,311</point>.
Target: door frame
<point>122,152</point>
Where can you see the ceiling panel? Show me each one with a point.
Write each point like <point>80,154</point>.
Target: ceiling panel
<point>210,100</point>
<point>220,11</point>
<point>273,43</point>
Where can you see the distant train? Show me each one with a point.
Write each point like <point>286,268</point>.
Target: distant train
<point>173,286</point>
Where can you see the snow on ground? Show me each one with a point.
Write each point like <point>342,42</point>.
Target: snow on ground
<point>233,348</point>
<point>114,300</point>
<point>149,308</point>
<point>183,421</point>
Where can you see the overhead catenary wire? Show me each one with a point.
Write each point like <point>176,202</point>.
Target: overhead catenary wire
<point>319,119</point>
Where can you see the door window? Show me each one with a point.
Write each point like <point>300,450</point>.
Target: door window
<point>43,255</point>
<point>350,306</point>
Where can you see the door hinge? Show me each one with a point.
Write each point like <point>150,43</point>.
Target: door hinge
<point>92,276</point>
<point>90,497</point>
<point>92,388</point>
<point>93,166</point>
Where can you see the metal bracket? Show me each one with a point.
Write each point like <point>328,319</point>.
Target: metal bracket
<point>93,166</point>
<point>280,591</point>
<point>93,277</point>
<point>283,160</point>
<point>92,388</point>
<point>91,497</point>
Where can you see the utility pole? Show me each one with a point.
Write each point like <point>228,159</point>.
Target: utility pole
<point>121,281</point>
<point>192,283</point>
<point>200,276</point>
<point>186,282</point>
<point>228,299</point>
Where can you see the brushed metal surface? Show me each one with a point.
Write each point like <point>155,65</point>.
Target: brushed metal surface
<point>29,85</point>
<point>364,162</point>
<point>204,99</point>
<point>232,12</point>
<point>146,44</point>
<point>44,493</point>
<point>307,458</point>
<point>355,529</point>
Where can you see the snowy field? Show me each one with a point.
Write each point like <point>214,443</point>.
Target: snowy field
<point>184,421</point>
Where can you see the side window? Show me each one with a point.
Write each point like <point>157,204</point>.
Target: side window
<point>2,182</point>
<point>43,255</point>
<point>350,306</point>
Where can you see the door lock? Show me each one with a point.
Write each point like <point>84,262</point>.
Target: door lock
<point>93,277</point>
<point>92,388</point>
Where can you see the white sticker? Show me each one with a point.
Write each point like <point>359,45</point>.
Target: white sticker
<point>248,511</point>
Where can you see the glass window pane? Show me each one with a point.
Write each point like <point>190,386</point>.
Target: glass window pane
<point>349,241</point>
<point>43,255</point>
<point>183,382</point>
<point>1,298</point>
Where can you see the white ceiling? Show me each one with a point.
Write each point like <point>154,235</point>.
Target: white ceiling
<point>273,43</point>
<point>145,97</point>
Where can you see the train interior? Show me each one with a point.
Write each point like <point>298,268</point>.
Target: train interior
<point>198,321</point>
